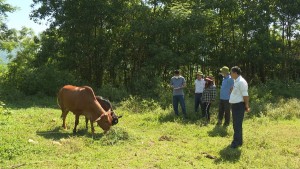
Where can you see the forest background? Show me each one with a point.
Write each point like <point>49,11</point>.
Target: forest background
<point>132,47</point>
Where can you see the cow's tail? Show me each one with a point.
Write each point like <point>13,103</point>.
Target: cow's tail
<point>57,100</point>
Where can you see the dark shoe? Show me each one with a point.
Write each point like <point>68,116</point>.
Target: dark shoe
<point>234,145</point>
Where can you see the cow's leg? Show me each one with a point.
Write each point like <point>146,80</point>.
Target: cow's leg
<point>86,122</point>
<point>63,116</point>
<point>92,127</point>
<point>76,122</point>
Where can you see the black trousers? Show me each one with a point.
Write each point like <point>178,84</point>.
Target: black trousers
<point>205,110</point>
<point>238,112</point>
<point>224,109</point>
<point>198,102</point>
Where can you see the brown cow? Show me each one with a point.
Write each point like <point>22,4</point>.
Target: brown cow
<point>82,101</point>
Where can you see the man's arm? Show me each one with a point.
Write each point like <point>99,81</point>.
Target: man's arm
<point>246,101</point>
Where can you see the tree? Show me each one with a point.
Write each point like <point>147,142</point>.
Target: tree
<point>5,33</point>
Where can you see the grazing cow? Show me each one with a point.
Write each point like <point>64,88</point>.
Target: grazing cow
<point>106,105</point>
<point>82,101</point>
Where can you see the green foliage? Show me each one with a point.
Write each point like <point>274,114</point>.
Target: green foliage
<point>44,80</point>
<point>112,93</point>
<point>133,46</point>
<point>3,109</point>
<point>266,98</point>
<point>283,109</point>
<point>136,104</point>
<point>5,33</point>
<point>3,68</point>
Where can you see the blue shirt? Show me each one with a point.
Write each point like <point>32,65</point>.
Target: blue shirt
<point>177,83</point>
<point>227,84</point>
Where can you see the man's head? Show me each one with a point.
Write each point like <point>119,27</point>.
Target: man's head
<point>235,72</point>
<point>224,71</point>
<point>199,75</point>
<point>176,73</point>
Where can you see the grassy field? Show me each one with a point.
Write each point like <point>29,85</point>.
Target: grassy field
<point>146,137</point>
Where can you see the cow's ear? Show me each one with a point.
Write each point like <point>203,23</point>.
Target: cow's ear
<point>99,118</point>
<point>120,116</point>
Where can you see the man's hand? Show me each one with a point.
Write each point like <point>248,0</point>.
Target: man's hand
<point>247,109</point>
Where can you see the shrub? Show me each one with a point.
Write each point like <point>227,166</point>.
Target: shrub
<point>112,93</point>
<point>3,109</point>
<point>138,105</point>
<point>284,109</point>
<point>43,80</point>
<point>275,99</point>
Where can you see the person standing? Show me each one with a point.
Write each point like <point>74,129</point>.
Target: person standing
<point>208,96</point>
<point>178,83</point>
<point>239,100</point>
<point>224,105</point>
<point>199,87</point>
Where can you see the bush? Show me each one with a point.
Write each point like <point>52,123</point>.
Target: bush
<point>3,109</point>
<point>275,99</point>
<point>45,80</point>
<point>112,93</point>
<point>284,109</point>
<point>138,105</point>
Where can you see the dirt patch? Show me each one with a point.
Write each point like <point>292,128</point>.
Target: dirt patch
<point>165,138</point>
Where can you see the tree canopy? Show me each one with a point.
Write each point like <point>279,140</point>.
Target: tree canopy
<point>137,44</point>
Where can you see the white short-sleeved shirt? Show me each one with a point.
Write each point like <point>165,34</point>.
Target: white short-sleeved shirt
<point>240,89</point>
<point>199,85</point>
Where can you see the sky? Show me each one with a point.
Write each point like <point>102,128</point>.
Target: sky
<point>20,17</point>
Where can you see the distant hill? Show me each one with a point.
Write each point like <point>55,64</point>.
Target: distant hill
<point>3,56</point>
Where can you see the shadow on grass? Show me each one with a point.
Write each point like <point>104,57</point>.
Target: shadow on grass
<point>171,117</point>
<point>32,101</point>
<point>229,154</point>
<point>218,131</point>
<point>58,133</point>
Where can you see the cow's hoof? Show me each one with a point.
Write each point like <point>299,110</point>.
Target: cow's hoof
<point>74,131</point>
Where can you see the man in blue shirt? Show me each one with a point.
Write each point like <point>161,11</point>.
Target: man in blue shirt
<point>224,105</point>
<point>178,83</point>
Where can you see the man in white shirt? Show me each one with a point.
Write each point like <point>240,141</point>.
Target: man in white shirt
<point>239,100</point>
<point>199,87</point>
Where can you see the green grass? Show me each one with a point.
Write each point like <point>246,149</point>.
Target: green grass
<point>146,137</point>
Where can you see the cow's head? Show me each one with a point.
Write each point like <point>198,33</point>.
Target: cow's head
<point>105,120</point>
<point>115,118</point>
<point>106,105</point>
